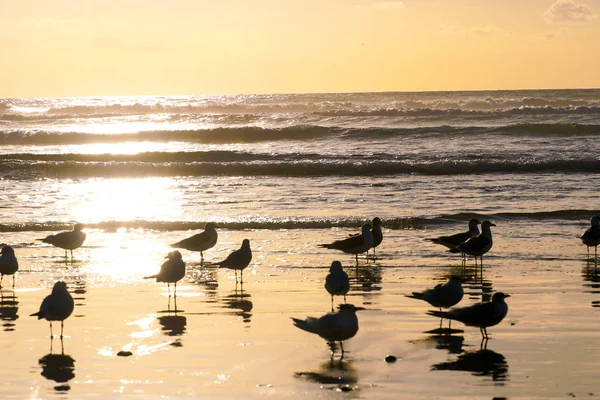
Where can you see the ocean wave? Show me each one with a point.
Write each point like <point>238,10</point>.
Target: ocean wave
<point>306,223</point>
<point>462,112</point>
<point>298,133</point>
<point>294,166</point>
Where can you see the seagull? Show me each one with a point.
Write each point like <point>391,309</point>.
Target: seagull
<point>478,245</point>
<point>8,263</point>
<point>238,260</point>
<point>443,295</point>
<point>454,240</point>
<point>336,282</point>
<point>591,237</point>
<point>199,242</point>
<point>481,315</point>
<point>57,306</point>
<point>171,271</point>
<point>333,327</point>
<point>354,244</point>
<point>377,234</point>
<point>69,240</point>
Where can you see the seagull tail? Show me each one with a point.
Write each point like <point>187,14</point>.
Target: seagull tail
<point>38,314</point>
<point>416,295</point>
<point>151,277</point>
<point>440,314</point>
<point>307,325</point>
<point>326,246</point>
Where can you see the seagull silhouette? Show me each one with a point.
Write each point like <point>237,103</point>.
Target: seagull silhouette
<point>354,244</point>
<point>171,271</point>
<point>477,246</point>
<point>336,282</point>
<point>199,242</point>
<point>8,263</point>
<point>69,240</point>
<point>333,327</point>
<point>237,260</point>
<point>57,306</point>
<point>481,315</point>
<point>591,237</point>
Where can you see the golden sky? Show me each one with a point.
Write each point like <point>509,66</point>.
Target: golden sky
<point>176,47</point>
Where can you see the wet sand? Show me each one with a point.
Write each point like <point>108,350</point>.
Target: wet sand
<point>227,341</point>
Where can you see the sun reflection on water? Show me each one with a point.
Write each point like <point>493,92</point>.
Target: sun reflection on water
<point>126,199</point>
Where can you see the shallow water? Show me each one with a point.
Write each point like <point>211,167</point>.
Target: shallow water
<point>228,341</point>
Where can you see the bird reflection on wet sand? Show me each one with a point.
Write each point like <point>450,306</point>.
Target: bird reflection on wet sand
<point>172,324</point>
<point>453,344</point>
<point>9,307</point>
<point>59,368</point>
<point>240,300</point>
<point>482,363</point>
<point>340,373</point>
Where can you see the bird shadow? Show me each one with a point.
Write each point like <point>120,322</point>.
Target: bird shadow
<point>172,324</point>
<point>241,301</point>
<point>481,363</point>
<point>340,373</point>
<point>9,308</point>
<point>59,368</point>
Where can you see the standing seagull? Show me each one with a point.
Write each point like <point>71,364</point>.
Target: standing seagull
<point>443,295</point>
<point>333,327</point>
<point>238,260</point>
<point>57,306</point>
<point>171,271</point>
<point>336,282</point>
<point>452,241</point>
<point>199,242</point>
<point>8,263</point>
<point>377,234</point>
<point>354,244</point>
<point>478,245</point>
<point>69,240</point>
<point>481,315</point>
<point>591,237</point>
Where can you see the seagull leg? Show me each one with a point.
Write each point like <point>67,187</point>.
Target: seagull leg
<point>61,329</point>
<point>71,255</point>
<point>175,293</point>
<point>51,335</point>
<point>344,299</point>
<point>242,277</point>
<point>13,281</point>
<point>342,347</point>
<point>1,277</point>
<point>169,289</point>
<point>331,303</point>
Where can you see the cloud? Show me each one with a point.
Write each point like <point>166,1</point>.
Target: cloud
<point>389,5</point>
<point>568,11</point>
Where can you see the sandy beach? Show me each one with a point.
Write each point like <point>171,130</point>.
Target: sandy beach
<point>224,341</point>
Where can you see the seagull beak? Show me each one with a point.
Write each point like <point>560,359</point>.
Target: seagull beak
<point>468,279</point>
<point>506,295</point>
<point>359,308</point>
<point>492,224</point>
